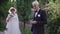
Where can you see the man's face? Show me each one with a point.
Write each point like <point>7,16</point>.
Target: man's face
<point>36,6</point>
<point>33,8</point>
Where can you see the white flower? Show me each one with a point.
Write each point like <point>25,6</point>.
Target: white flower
<point>38,15</point>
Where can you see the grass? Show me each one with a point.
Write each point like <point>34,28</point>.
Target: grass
<point>26,31</point>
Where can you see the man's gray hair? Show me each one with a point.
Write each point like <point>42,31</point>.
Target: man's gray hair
<point>35,2</point>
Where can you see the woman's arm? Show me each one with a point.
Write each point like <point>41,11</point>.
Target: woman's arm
<point>8,18</point>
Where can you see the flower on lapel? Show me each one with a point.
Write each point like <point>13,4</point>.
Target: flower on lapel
<point>38,15</point>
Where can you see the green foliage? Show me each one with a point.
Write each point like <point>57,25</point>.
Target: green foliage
<point>3,1</point>
<point>26,31</point>
<point>4,7</point>
<point>2,27</point>
<point>53,12</point>
<point>24,7</point>
<point>53,15</point>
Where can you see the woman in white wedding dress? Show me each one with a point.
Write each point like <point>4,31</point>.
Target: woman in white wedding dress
<point>12,22</point>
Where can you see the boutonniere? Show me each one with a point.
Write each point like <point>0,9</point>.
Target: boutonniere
<point>38,15</point>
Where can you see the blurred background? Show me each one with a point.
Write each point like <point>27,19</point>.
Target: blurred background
<point>25,14</point>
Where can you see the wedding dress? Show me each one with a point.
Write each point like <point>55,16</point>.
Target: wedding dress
<point>13,25</point>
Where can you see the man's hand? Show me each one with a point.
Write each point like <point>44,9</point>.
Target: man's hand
<point>33,22</point>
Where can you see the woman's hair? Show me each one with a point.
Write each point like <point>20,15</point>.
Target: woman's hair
<point>12,9</point>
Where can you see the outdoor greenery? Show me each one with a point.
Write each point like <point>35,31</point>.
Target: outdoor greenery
<point>53,15</point>
<point>2,13</point>
<point>4,7</point>
<point>24,12</point>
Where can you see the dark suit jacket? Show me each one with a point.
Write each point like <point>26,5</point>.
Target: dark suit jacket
<point>41,20</point>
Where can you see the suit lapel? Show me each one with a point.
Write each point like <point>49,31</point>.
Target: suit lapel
<point>39,13</point>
